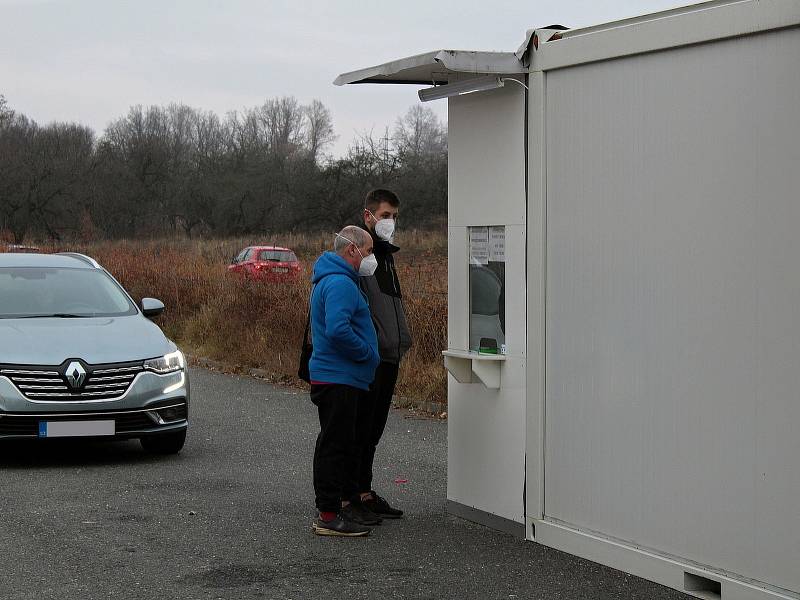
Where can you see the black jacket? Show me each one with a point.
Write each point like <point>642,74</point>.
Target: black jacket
<point>386,304</point>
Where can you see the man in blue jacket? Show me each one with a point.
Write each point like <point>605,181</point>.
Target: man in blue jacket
<point>342,367</point>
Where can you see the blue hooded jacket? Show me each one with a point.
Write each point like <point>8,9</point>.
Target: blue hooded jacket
<point>342,333</point>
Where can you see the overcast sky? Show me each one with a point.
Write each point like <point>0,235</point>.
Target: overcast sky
<point>89,60</point>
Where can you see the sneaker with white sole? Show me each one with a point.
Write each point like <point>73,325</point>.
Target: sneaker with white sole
<point>339,526</point>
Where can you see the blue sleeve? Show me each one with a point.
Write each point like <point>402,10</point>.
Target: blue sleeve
<point>341,302</point>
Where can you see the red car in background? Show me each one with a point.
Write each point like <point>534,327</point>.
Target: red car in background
<point>266,263</point>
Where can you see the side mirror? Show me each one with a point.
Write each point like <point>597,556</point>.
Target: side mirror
<point>152,307</point>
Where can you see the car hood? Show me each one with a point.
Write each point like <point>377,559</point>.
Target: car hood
<point>99,340</point>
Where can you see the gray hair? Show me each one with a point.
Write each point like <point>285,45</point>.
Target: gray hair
<point>350,235</point>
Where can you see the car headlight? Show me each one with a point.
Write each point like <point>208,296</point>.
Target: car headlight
<point>169,363</point>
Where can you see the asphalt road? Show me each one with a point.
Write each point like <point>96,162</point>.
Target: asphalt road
<point>230,517</point>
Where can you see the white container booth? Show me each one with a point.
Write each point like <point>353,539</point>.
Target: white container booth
<point>623,227</point>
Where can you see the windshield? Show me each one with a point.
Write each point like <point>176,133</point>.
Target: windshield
<point>29,292</point>
<point>277,256</point>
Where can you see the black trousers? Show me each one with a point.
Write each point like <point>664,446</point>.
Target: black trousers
<point>372,420</point>
<point>336,455</point>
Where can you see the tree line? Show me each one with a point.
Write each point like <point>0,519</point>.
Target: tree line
<point>165,170</point>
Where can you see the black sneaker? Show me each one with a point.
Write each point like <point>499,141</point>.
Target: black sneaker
<point>379,506</point>
<point>339,527</point>
<point>358,513</point>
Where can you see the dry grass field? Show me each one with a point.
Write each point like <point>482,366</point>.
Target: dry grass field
<point>260,325</point>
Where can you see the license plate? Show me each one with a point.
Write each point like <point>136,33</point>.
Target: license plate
<point>53,429</point>
<point>280,270</point>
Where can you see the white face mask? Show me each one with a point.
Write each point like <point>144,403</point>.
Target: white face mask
<point>368,264</point>
<point>384,228</point>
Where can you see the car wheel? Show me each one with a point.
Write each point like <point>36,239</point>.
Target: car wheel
<point>164,443</point>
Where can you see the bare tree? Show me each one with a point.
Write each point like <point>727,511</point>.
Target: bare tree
<point>282,119</point>
<point>419,134</point>
<point>43,174</point>
<point>136,151</point>
<point>59,166</point>
<point>319,129</point>
<point>16,140</point>
<point>6,114</point>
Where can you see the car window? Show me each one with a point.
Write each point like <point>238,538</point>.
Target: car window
<point>277,256</point>
<point>38,292</point>
<point>240,257</point>
<point>248,254</point>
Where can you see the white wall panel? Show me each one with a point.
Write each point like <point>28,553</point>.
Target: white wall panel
<point>673,302</point>
<point>486,159</point>
<point>486,428</point>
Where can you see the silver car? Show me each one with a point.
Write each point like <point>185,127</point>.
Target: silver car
<point>78,358</point>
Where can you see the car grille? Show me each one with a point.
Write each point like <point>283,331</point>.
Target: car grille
<point>27,424</point>
<point>49,384</point>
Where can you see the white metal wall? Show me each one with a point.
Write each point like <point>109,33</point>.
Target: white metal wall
<point>673,303</point>
<point>486,428</point>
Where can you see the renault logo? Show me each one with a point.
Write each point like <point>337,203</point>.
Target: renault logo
<point>75,374</point>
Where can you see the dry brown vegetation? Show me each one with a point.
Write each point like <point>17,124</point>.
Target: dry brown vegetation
<point>259,325</point>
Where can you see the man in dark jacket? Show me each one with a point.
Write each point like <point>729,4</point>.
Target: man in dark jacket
<point>342,366</point>
<point>381,208</point>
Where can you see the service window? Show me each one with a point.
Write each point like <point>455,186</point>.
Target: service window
<point>487,289</point>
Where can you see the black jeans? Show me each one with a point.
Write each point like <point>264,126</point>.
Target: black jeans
<point>372,420</point>
<point>336,456</point>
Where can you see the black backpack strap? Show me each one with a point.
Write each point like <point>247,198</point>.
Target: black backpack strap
<point>308,322</point>
<point>306,349</point>
<point>308,317</point>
